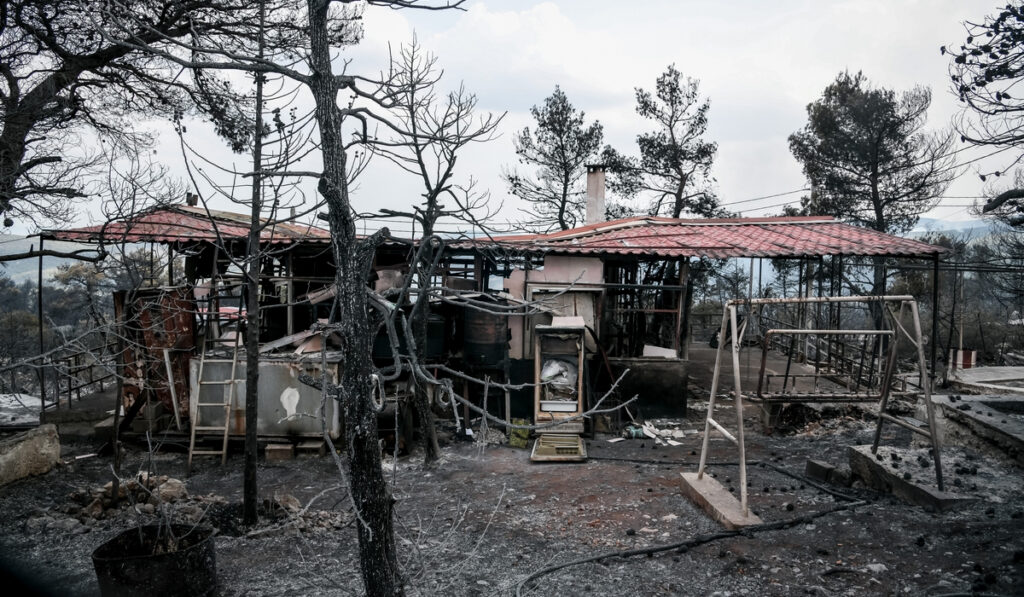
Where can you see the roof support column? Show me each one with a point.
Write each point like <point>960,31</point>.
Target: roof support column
<point>170,264</point>
<point>42,348</point>
<point>935,318</point>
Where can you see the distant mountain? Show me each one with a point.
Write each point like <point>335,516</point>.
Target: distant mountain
<point>975,228</point>
<point>27,269</point>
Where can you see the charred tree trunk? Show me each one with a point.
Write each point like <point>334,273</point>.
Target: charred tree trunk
<point>250,491</point>
<point>370,494</point>
<point>421,322</point>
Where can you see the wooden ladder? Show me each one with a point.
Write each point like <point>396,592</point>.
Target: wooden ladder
<point>230,384</point>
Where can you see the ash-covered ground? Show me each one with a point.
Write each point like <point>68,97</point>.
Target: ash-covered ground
<point>488,518</point>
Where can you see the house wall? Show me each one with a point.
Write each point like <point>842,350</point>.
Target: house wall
<point>559,272</point>
<point>286,407</point>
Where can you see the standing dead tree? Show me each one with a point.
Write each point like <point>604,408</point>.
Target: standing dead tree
<point>346,107</point>
<point>307,35</point>
<point>438,128</point>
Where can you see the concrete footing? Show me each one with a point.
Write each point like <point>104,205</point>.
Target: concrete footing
<point>916,491</point>
<point>279,452</point>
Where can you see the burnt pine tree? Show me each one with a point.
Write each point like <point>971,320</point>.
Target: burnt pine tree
<point>65,71</point>
<point>675,159</point>
<point>303,38</point>
<point>438,128</point>
<point>986,72</point>
<point>559,147</point>
<point>869,160</point>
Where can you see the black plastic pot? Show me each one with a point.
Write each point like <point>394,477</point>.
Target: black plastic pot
<point>136,563</point>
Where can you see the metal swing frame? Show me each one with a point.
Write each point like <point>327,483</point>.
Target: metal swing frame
<point>894,316</point>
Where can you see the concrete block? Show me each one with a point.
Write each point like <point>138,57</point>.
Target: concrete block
<point>279,452</point>
<point>33,452</point>
<point>819,470</point>
<point>716,500</point>
<point>316,447</point>
<point>881,478</point>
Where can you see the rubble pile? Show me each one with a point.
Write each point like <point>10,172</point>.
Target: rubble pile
<point>144,494</point>
<point>284,514</point>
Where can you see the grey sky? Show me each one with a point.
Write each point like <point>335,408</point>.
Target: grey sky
<point>760,63</point>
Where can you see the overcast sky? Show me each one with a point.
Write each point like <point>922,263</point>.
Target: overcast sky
<point>760,64</point>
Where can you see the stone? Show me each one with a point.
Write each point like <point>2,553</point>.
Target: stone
<point>288,502</point>
<point>818,470</point>
<point>28,454</point>
<point>190,513</point>
<point>34,525</point>
<point>67,525</point>
<point>171,490</point>
<point>94,509</point>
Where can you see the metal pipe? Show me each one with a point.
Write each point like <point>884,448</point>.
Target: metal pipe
<point>822,299</point>
<point>738,405</point>
<point>935,318</point>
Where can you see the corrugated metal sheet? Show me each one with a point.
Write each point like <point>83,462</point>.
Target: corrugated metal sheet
<point>185,223</point>
<point>716,238</point>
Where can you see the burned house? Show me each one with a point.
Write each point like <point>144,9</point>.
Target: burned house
<point>630,283</point>
<point>183,333</point>
<point>626,285</point>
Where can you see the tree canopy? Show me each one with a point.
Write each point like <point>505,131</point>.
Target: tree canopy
<point>985,71</point>
<point>868,157</point>
<point>675,159</point>
<point>559,147</point>
<point>68,67</point>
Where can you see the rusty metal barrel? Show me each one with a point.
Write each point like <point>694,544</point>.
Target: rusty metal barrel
<point>485,337</point>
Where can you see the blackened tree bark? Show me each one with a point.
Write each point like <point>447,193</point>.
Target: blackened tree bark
<point>250,490</point>
<point>352,258</point>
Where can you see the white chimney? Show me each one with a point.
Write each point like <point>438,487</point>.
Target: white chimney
<point>595,194</point>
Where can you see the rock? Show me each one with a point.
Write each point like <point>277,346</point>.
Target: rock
<point>66,525</point>
<point>35,525</point>
<point>94,509</point>
<point>31,453</point>
<point>191,513</point>
<point>288,502</point>
<point>171,490</point>
<point>876,568</point>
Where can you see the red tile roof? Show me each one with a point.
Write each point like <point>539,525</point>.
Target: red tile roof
<point>717,238</point>
<point>185,223</point>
